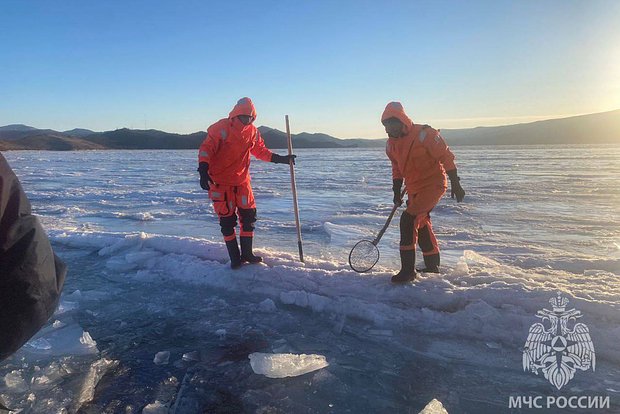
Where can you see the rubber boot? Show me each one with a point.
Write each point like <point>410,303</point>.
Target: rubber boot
<point>431,263</point>
<point>246,251</point>
<point>407,271</point>
<point>233,253</point>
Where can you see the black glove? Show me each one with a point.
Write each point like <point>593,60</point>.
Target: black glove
<point>397,183</point>
<point>283,159</point>
<point>455,186</point>
<point>203,169</point>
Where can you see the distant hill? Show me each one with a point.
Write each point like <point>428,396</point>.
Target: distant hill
<point>17,127</point>
<point>49,141</point>
<point>79,132</point>
<point>82,139</point>
<point>277,139</point>
<point>145,139</point>
<point>601,128</point>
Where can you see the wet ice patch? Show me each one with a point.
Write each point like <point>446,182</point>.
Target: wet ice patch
<point>285,365</point>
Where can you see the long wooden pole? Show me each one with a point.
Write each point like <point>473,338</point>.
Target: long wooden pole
<point>294,187</point>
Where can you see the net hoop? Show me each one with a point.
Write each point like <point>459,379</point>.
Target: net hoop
<point>363,256</point>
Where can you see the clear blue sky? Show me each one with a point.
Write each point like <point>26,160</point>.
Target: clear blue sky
<point>332,65</point>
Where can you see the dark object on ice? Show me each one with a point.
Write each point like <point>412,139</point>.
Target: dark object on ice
<point>407,272</point>
<point>233,253</point>
<point>246,250</point>
<point>31,275</point>
<point>365,254</point>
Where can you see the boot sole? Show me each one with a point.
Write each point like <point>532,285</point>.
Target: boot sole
<point>400,282</point>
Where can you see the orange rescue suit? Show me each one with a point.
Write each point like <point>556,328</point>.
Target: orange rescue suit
<point>227,150</point>
<point>421,157</point>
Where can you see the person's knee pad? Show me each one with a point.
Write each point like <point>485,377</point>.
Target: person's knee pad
<point>406,229</point>
<point>228,224</point>
<point>247,216</point>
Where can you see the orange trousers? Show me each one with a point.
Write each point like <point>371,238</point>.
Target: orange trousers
<point>230,201</point>
<point>415,222</point>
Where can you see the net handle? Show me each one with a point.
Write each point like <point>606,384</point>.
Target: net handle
<point>389,220</point>
<point>402,194</point>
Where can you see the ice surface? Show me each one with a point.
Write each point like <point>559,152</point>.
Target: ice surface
<point>285,365</point>
<point>148,271</point>
<point>434,407</point>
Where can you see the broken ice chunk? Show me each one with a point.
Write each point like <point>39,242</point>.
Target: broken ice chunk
<point>155,408</point>
<point>434,407</point>
<point>15,381</point>
<point>285,365</point>
<point>87,340</point>
<point>267,306</point>
<point>58,324</point>
<point>162,358</point>
<point>191,356</point>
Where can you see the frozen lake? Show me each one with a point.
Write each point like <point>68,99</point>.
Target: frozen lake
<point>148,275</point>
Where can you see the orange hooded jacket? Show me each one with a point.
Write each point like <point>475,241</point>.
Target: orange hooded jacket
<point>228,146</point>
<point>420,156</point>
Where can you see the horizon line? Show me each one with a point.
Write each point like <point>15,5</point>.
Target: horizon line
<point>530,118</point>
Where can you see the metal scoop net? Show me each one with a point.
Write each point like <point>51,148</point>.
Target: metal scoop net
<point>364,256</point>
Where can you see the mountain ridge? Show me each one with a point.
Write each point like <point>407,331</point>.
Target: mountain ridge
<point>598,128</point>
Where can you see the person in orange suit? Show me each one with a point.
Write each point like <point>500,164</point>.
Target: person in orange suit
<point>420,157</point>
<point>224,167</point>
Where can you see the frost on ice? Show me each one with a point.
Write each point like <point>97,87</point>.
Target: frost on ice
<point>285,365</point>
